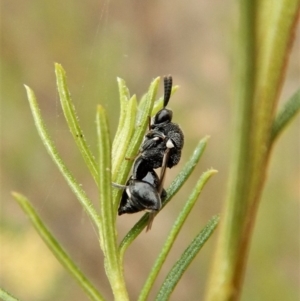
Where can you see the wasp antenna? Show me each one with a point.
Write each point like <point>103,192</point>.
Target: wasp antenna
<point>168,88</point>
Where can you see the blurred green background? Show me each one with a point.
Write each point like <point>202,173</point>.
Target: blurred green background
<point>96,41</point>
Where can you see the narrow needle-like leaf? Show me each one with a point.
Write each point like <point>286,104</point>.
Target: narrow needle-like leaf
<point>286,114</point>
<point>52,151</point>
<point>108,233</point>
<point>124,137</point>
<point>56,248</point>
<point>106,213</point>
<point>174,232</point>
<point>124,98</point>
<point>72,121</point>
<point>146,112</point>
<point>171,191</point>
<point>5,296</point>
<point>185,260</point>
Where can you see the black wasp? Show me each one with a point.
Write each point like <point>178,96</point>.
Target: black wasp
<point>161,147</point>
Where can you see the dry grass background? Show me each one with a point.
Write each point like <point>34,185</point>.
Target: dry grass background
<point>96,41</point>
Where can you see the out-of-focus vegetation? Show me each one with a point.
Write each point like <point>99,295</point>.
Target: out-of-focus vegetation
<point>96,42</point>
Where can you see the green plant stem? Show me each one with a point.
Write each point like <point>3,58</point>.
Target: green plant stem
<point>172,190</point>
<point>52,151</point>
<point>108,232</point>
<point>56,248</point>
<point>185,260</point>
<point>73,121</point>
<point>174,232</point>
<point>266,32</point>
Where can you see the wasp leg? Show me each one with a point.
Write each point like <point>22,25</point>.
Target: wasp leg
<point>120,186</point>
<point>160,186</point>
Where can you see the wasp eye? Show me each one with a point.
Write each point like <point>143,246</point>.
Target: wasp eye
<point>163,116</point>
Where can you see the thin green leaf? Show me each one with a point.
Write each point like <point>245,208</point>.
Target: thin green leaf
<point>140,111</point>
<point>185,260</point>
<point>174,232</point>
<point>141,127</point>
<point>106,214</point>
<point>56,248</point>
<point>52,151</point>
<point>5,296</point>
<point>72,120</point>
<point>171,191</point>
<point>108,228</point>
<point>286,114</point>
<point>124,137</point>
<point>136,140</point>
<point>124,97</point>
